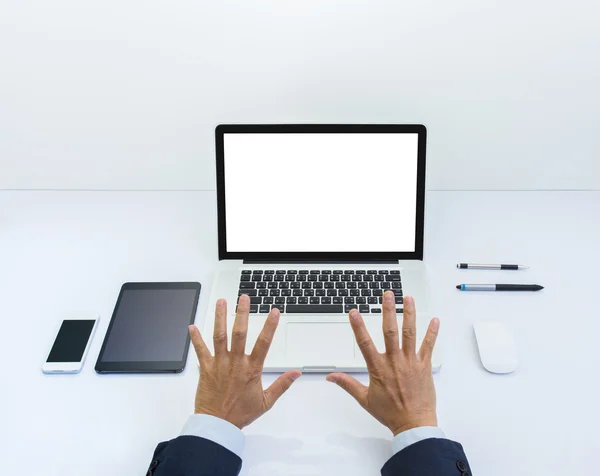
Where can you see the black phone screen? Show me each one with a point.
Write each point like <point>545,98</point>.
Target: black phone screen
<point>71,340</point>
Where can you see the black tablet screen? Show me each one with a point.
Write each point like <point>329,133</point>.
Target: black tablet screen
<point>150,325</point>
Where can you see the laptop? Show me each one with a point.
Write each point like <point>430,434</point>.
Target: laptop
<point>316,220</point>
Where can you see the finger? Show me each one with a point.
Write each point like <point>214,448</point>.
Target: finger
<point>426,350</point>
<point>240,326</point>
<point>351,385</point>
<point>390,324</point>
<point>220,331</point>
<point>280,386</point>
<point>409,327</point>
<point>202,351</point>
<point>363,339</point>
<point>263,342</point>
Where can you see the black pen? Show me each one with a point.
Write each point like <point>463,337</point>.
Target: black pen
<point>499,287</point>
<point>490,266</point>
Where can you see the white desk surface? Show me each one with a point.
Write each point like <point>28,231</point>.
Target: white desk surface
<point>66,254</point>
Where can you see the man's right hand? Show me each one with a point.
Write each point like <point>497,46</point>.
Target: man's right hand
<point>401,394</point>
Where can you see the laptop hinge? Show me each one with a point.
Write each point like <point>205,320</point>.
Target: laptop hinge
<point>310,261</point>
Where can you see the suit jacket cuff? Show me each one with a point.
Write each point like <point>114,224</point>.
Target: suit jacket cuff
<point>217,430</point>
<point>414,435</point>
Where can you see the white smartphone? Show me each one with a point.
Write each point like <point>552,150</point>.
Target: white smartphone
<point>71,346</point>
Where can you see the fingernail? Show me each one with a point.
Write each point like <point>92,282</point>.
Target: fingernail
<point>435,324</point>
<point>330,378</point>
<point>275,313</point>
<point>354,314</point>
<point>221,302</point>
<point>296,377</point>
<point>388,296</point>
<point>409,300</point>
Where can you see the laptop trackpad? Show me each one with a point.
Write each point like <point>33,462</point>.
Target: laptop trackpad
<point>319,343</point>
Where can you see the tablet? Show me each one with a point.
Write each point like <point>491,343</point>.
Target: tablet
<point>148,331</point>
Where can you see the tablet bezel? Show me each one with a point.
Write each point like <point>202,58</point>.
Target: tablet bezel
<point>147,366</point>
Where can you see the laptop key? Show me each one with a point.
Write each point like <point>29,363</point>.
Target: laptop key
<point>372,271</point>
<point>303,271</point>
<point>255,300</point>
<point>292,271</point>
<point>354,292</point>
<point>399,310</point>
<point>361,271</point>
<point>302,300</point>
<point>245,277</point>
<point>290,277</point>
<point>383,271</point>
<point>315,300</point>
<point>357,277</point>
<point>338,300</point>
<point>349,300</point>
<point>317,285</point>
<point>309,292</point>
<point>291,300</point>
<point>272,285</point>
<point>268,300</point>
<point>284,285</point>
<point>363,309</point>
<point>261,285</point>
<point>253,308</point>
<point>279,300</point>
<point>306,285</point>
<point>263,292</point>
<point>279,277</point>
<point>249,292</point>
<point>361,300</point>
<point>368,278</point>
<point>320,292</point>
<point>328,285</point>
<point>349,307</point>
<point>286,292</point>
<point>342,292</point>
<point>323,277</point>
<point>363,285</point>
<point>340,285</point>
<point>274,292</point>
<point>385,285</point>
<point>379,277</point>
<point>313,277</point>
<point>338,271</point>
<point>377,292</point>
<point>314,271</point>
<point>314,308</point>
<point>331,292</point>
<point>348,271</point>
<point>269,271</point>
<point>257,271</point>
<point>264,309</point>
<point>246,271</point>
<point>392,277</point>
<point>351,285</point>
<point>375,310</point>
<point>295,285</point>
<point>365,292</point>
<point>396,285</point>
<point>297,292</point>
<point>268,277</point>
<point>373,285</point>
<point>395,271</point>
<point>372,300</point>
<point>399,300</point>
<point>326,271</point>
<point>325,300</point>
<point>281,307</point>
<point>249,285</point>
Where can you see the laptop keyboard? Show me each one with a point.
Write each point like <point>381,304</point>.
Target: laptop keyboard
<point>319,291</point>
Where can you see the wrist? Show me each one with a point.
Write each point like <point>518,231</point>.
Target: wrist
<point>405,426</point>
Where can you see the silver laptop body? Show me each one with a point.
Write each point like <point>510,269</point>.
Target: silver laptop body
<point>316,220</point>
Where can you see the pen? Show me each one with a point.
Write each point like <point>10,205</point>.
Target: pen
<point>490,266</point>
<point>499,287</point>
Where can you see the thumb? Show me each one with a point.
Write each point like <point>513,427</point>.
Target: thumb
<point>351,385</point>
<point>280,386</point>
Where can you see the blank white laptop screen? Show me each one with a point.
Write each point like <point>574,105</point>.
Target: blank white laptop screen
<point>320,192</point>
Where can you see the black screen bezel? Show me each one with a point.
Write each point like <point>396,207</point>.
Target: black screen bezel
<point>148,366</point>
<point>321,128</point>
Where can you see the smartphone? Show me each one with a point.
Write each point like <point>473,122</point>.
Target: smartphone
<point>71,346</point>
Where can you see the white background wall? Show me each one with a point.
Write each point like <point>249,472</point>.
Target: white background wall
<point>124,94</point>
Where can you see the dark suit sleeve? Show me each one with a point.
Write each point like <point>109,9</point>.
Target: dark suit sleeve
<point>430,457</point>
<point>193,456</point>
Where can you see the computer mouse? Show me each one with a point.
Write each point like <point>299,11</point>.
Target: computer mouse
<point>497,347</point>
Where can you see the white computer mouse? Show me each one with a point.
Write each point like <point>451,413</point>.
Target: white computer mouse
<point>497,347</point>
